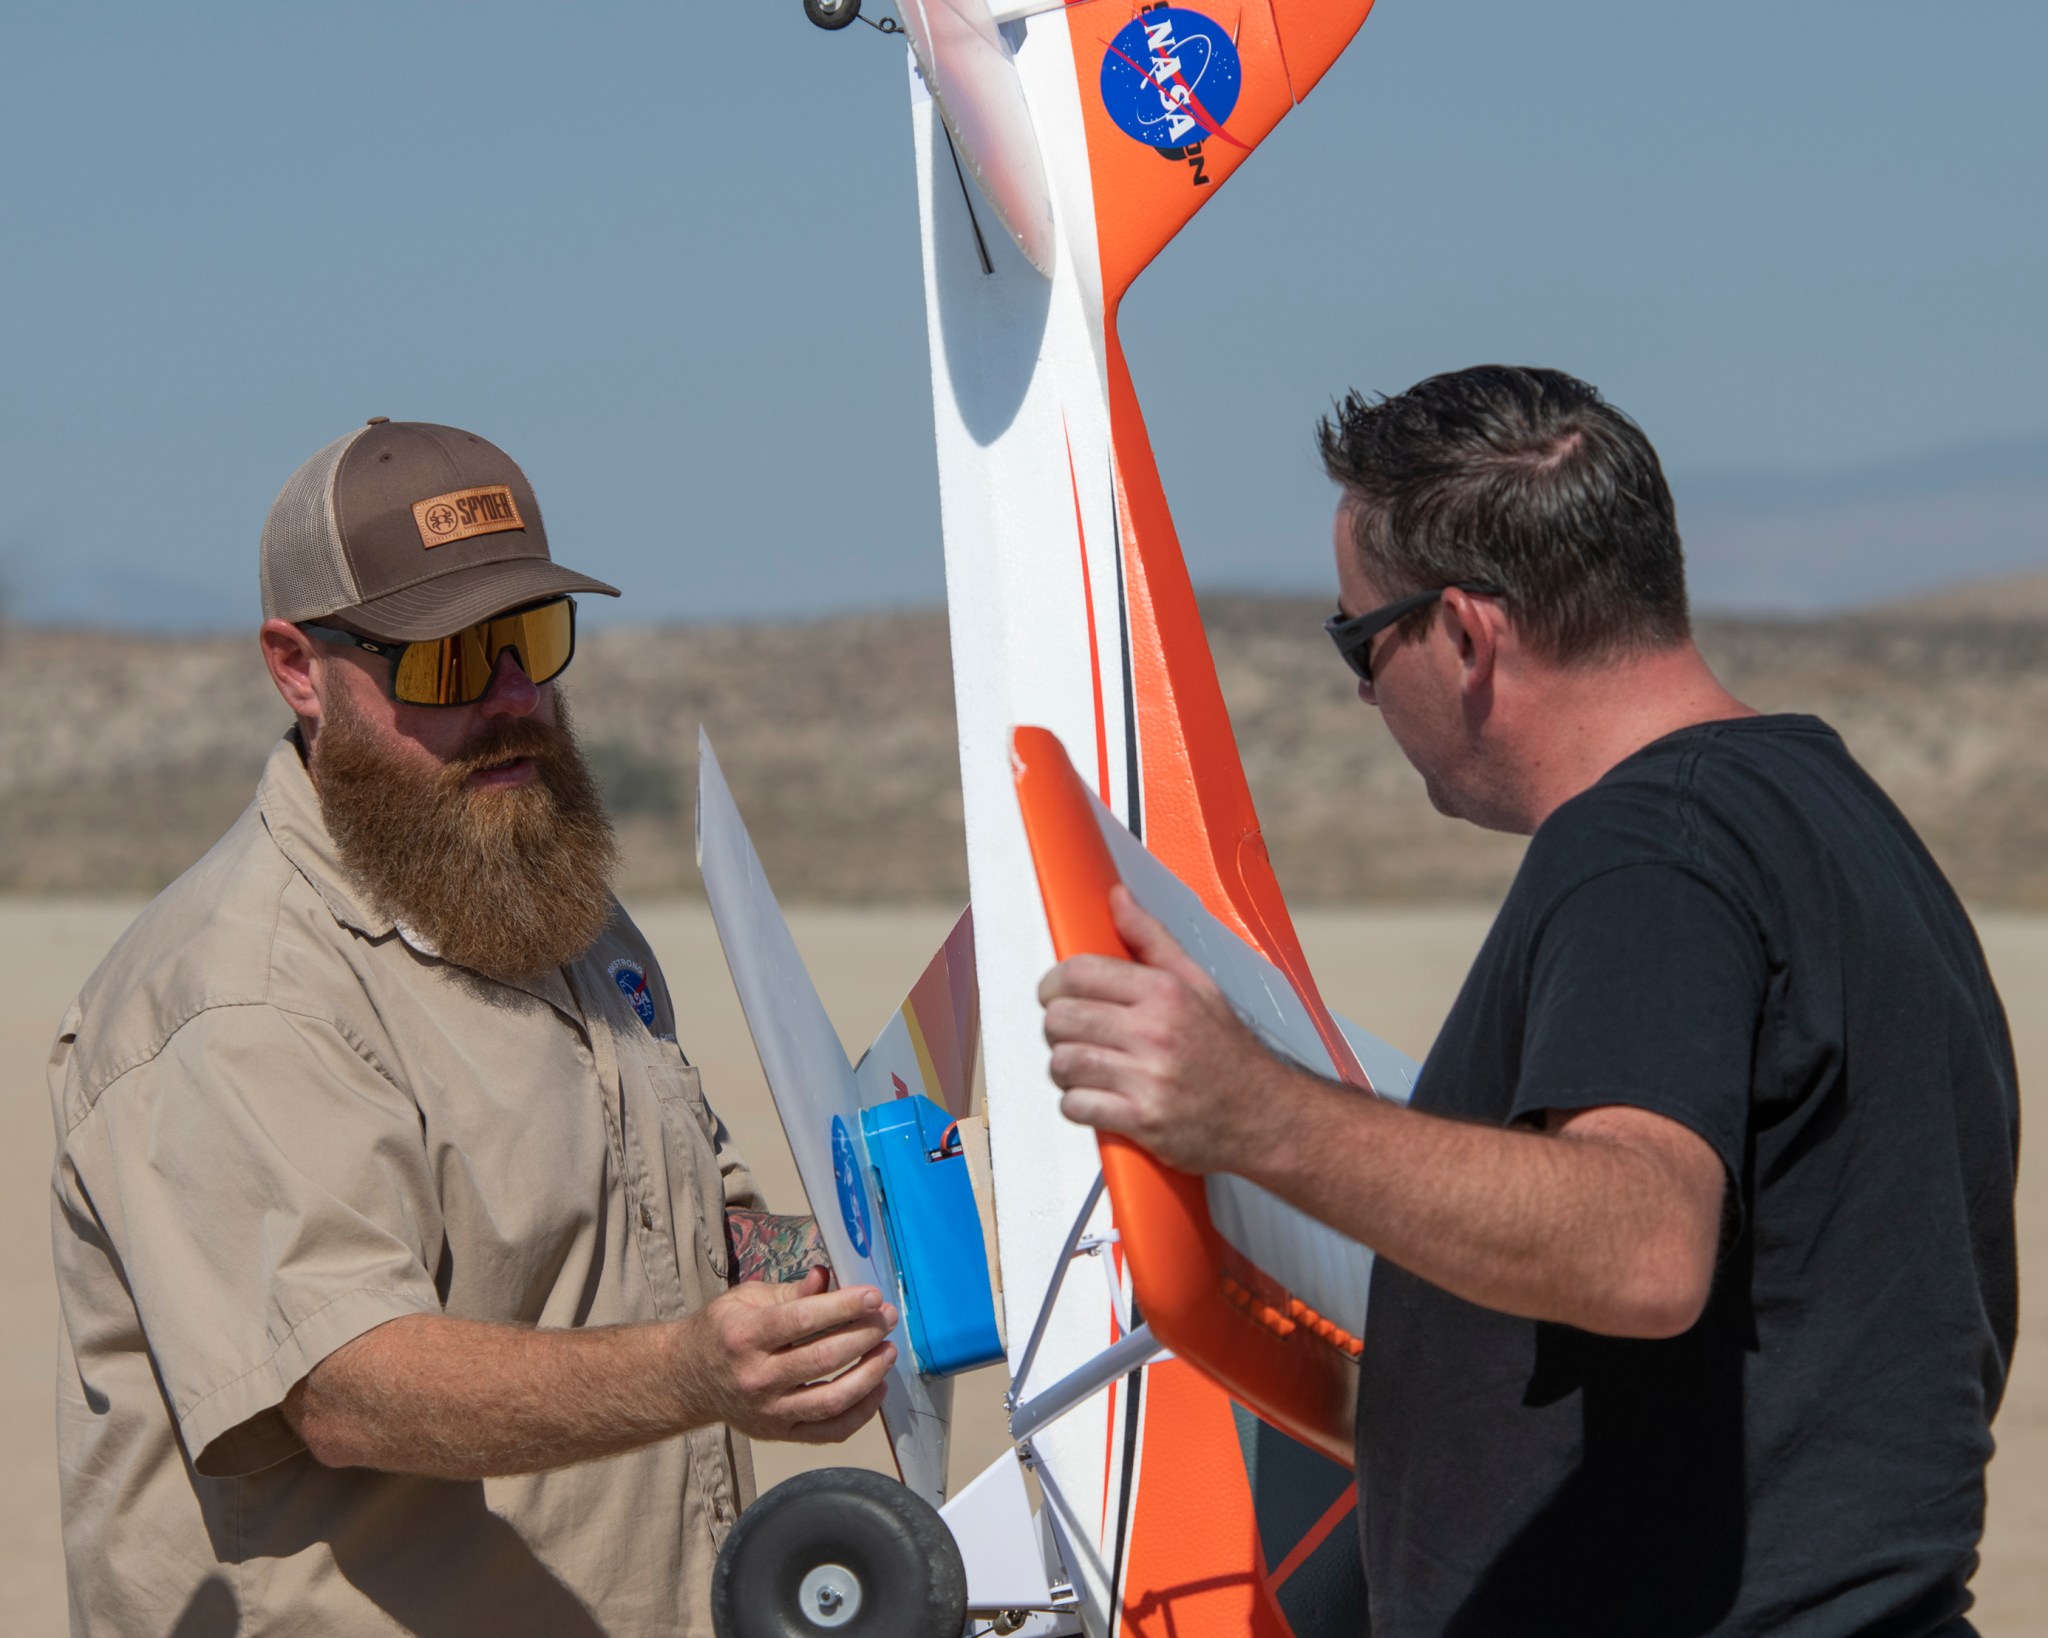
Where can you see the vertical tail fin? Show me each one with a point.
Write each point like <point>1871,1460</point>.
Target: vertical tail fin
<point>1175,98</point>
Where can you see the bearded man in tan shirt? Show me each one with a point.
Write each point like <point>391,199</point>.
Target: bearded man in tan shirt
<point>408,1282</point>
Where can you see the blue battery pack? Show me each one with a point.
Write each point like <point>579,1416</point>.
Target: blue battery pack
<point>935,1233</point>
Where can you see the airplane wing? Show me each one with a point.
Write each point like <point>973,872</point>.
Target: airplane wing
<point>1248,1288</point>
<point>819,1098</point>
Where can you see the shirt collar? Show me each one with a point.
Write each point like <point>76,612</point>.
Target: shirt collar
<point>291,809</point>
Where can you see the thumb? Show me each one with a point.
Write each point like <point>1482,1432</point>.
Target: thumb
<point>778,1292</point>
<point>1150,943</point>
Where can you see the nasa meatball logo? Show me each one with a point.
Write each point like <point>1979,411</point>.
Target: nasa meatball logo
<point>632,983</point>
<point>853,1198</point>
<point>1171,77</point>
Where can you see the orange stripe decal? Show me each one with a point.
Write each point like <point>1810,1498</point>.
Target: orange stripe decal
<point>1094,649</point>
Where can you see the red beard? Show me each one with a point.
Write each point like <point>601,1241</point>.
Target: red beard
<point>509,882</point>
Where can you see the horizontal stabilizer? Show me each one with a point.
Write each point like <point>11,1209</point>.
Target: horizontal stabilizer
<point>1175,97</point>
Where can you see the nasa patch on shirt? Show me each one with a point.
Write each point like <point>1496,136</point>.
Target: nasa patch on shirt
<point>632,982</point>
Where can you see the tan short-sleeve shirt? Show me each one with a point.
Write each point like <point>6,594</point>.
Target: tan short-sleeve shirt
<point>281,1121</point>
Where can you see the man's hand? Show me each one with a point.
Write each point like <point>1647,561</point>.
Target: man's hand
<point>1151,1050</point>
<point>773,1246</point>
<point>464,1399</point>
<point>791,1362</point>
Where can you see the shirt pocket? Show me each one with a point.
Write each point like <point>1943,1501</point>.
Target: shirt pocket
<point>689,1138</point>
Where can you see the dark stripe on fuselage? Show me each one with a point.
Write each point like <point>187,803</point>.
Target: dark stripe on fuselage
<point>1135,819</point>
<point>1134,1404</point>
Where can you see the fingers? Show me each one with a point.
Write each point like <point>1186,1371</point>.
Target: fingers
<point>1096,1023</point>
<point>1105,1111</point>
<point>773,1293</point>
<point>845,1426</point>
<point>804,1312</point>
<point>1150,942</point>
<point>1076,1064</point>
<point>780,1341</point>
<point>819,1357</point>
<point>1096,978</point>
<point>1100,978</point>
<point>826,1412</point>
<point>1121,1046</point>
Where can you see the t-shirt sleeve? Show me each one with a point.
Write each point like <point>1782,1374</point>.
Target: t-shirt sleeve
<point>1646,990</point>
<point>267,1191</point>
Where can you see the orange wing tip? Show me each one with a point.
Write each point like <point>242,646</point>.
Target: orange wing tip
<point>1179,1264</point>
<point>1075,871</point>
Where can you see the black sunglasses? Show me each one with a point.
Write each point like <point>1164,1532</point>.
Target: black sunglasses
<point>1353,635</point>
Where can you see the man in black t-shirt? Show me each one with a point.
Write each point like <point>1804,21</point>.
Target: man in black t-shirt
<point>1697,1287</point>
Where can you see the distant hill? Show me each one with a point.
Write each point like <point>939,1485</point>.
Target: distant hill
<point>2022,597</point>
<point>121,759</point>
<point>1758,543</point>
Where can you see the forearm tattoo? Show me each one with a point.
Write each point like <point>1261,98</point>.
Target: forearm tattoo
<point>770,1246</point>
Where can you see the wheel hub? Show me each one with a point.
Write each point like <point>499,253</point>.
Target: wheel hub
<point>830,1596</point>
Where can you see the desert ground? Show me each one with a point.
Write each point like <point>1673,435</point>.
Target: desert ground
<point>1395,969</point>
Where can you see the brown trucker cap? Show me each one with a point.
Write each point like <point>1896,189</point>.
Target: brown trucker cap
<point>408,530</point>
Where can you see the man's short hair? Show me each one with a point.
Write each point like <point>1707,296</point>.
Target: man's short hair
<point>1526,478</point>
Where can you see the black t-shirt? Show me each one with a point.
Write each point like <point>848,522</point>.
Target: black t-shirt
<point>1734,928</point>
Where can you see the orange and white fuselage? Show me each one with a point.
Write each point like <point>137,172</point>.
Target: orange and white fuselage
<point>1091,134</point>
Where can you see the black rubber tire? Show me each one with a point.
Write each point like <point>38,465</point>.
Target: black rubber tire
<point>832,13</point>
<point>913,1584</point>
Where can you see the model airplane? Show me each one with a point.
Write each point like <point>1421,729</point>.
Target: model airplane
<point>1240,1280</point>
<point>1059,147</point>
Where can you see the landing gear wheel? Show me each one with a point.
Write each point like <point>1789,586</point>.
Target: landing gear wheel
<point>840,1551</point>
<point>831,13</point>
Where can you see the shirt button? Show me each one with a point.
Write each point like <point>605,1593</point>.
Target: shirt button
<point>646,1218</point>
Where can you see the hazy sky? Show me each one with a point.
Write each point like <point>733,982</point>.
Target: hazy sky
<point>667,256</point>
